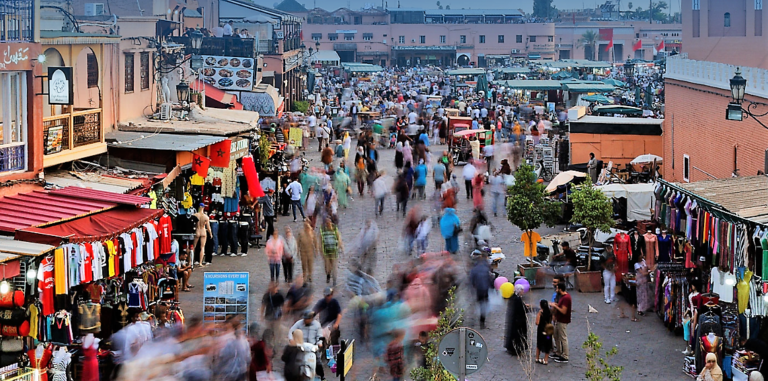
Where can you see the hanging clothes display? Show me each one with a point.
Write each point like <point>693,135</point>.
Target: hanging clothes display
<point>623,253</point>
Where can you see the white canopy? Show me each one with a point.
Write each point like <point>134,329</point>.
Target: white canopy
<point>639,198</point>
<point>326,56</point>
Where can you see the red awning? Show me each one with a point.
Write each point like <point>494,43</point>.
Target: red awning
<point>41,208</point>
<point>97,195</point>
<point>96,227</point>
<point>226,99</point>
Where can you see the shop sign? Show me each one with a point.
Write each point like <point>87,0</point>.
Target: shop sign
<point>239,148</point>
<point>228,73</point>
<point>225,295</point>
<point>18,56</point>
<point>60,86</point>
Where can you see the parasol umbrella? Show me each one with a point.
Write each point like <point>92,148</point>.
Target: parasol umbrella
<point>646,158</point>
<point>260,19</point>
<point>614,82</point>
<point>638,95</point>
<point>597,98</point>
<point>563,178</point>
<point>482,84</point>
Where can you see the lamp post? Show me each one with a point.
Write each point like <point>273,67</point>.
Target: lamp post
<point>735,109</point>
<point>182,91</point>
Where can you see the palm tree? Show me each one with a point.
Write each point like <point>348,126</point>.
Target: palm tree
<point>589,39</point>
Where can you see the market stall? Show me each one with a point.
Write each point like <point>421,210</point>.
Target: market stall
<point>639,199</point>
<point>709,277</point>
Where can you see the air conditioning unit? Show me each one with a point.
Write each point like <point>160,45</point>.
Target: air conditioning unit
<point>384,41</point>
<point>94,9</point>
<point>413,40</point>
<point>515,51</point>
<point>165,111</point>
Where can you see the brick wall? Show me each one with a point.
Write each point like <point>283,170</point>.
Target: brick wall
<point>695,124</point>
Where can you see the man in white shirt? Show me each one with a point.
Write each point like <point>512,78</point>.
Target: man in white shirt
<point>488,154</point>
<point>413,117</point>
<point>469,173</point>
<point>228,29</point>
<point>294,190</point>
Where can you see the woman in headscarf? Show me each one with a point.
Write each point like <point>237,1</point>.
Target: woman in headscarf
<point>711,371</point>
<point>407,153</point>
<point>341,185</point>
<point>360,172</point>
<point>399,156</point>
<point>516,330</point>
<point>450,226</point>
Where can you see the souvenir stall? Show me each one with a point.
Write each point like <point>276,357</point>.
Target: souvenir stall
<point>217,189</point>
<point>108,270</point>
<point>710,261</point>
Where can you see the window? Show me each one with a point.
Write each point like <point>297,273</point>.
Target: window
<point>463,39</point>
<point>696,5</point>
<point>349,36</point>
<point>317,36</point>
<point>727,20</point>
<point>93,71</point>
<point>422,39</point>
<point>532,38</point>
<point>686,168</point>
<point>482,39</point>
<point>401,39</point>
<point>333,36</point>
<point>501,39</point>
<point>13,121</point>
<point>367,36</point>
<point>144,71</point>
<point>519,39</point>
<point>129,69</point>
<point>442,39</point>
<point>550,38</point>
<point>758,5</point>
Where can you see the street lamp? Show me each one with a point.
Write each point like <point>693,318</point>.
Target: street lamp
<point>735,109</point>
<point>182,91</point>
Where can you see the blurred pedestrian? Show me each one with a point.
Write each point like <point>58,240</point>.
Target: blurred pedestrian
<point>395,360</point>
<point>308,249</point>
<point>481,279</point>
<point>290,252</point>
<point>450,227</point>
<point>275,251</point>
<point>331,246</point>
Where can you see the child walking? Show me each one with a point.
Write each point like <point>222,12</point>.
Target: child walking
<point>544,331</point>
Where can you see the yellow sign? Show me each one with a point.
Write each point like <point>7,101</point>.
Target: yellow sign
<point>349,357</point>
<point>295,136</point>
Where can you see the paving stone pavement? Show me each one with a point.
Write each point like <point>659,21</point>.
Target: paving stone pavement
<point>647,350</point>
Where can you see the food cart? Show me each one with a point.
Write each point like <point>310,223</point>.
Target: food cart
<point>459,147</point>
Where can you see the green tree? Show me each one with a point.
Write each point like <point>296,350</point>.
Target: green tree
<point>449,319</point>
<point>447,7</point>
<point>542,8</point>
<point>592,209</point>
<point>439,6</point>
<point>589,39</point>
<point>598,368</point>
<point>630,5</point>
<point>527,204</point>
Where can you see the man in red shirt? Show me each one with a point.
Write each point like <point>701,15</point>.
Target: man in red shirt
<point>562,312</point>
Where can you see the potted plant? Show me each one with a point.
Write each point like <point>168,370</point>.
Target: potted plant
<point>528,208</point>
<point>593,210</point>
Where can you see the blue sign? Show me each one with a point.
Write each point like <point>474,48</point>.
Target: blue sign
<point>225,295</point>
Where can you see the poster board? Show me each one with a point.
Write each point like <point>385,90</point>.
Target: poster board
<point>225,295</point>
<point>228,73</point>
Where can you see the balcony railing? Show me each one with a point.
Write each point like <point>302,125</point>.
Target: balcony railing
<point>12,157</point>
<point>80,128</point>
<point>16,20</point>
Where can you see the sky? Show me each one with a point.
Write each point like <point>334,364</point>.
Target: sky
<point>525,5</point>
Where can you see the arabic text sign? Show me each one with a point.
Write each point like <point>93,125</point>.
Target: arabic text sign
<point>18,56</point>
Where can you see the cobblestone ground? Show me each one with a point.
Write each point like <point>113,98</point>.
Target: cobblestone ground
<point>646,349</point>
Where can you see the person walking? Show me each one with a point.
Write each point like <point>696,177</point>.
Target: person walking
<point>294,190</point>
<point>380,192</point>
<point>290,252</point>
<point>609,278</point>
<point>450,227</point>
<point>438,174</point>
<point>307,250</point>
<point>275,251</point>
<point>592,167</point>
<point>399,163</point>
<point>361,173</point>
<point>331,245</point>
<point>544,331</point>
<point>394,355</point>
<point>420,181</point>
<point>469,173</point>
<point>562,314</point>
<point>401,191</point>
<point>498,191</point>
<point>481,279</point>
<point>268,210</point>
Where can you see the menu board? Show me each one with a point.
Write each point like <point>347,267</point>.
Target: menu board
<point>228,73</point>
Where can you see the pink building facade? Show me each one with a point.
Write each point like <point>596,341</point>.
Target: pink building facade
<point>625,35</point>
<point>375,38</point>
<point>729,32</point>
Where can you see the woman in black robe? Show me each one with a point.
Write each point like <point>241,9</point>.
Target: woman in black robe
<point>516,330</point>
